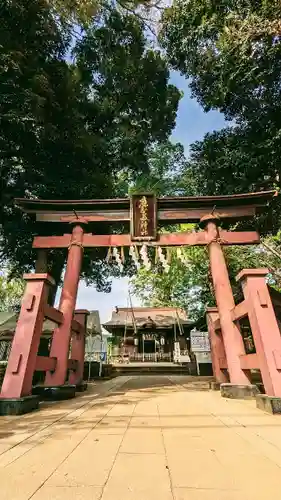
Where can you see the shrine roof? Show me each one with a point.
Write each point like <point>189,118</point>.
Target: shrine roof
<point>144,317</point>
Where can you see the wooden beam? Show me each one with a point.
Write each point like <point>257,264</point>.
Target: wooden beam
<point>239,237</point>
<point>72,364</point>
<point>240,311</point>
<point>41,263</point>
<point>223,363</point>
<point>77,327</point>
<point>168,214</point>
<point>217,324</point>
<point>53,314</point>
<point>195,214</point>
<point>249,361</point>
<point>52,241</point>
<point>107,240</point>
<point>223,202</point>
<point>45,364</point>
<point>92,216</point>
<point>164,239</point>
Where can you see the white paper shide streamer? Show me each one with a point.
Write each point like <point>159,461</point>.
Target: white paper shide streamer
<point>182,258</point>
<point>134,256</point>
<point>144,257</point>
<point>118,260</point>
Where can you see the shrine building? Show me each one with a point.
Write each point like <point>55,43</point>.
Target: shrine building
<point>149,333</point>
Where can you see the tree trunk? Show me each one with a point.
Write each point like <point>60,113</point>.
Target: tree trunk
<point>52,263</point>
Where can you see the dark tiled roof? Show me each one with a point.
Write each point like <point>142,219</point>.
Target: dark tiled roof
<point>147,317</point>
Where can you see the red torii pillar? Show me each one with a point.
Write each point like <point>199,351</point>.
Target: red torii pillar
<point>232,339</point>
<point>217,347</point>
<point>62,334</point>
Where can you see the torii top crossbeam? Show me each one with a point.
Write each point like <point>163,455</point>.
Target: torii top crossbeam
<point>143,212</point>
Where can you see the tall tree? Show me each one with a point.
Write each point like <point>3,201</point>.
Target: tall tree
<point>188,282</point>
<point>231,50</point>
<point>68,129</point>
<point>168,171</point>
<point>231,53</point>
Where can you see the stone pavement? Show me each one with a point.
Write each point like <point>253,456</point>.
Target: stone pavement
<point>142,438</point>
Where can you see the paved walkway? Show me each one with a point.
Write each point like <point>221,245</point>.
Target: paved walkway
<point>144,438</point>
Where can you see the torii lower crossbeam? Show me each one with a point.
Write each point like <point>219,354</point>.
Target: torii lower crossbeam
<point>164,240</point>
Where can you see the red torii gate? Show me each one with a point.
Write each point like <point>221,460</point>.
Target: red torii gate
<point>143,213</point>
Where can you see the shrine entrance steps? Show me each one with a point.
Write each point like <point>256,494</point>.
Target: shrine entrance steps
<point>147,368</point>
<point>161,368</point>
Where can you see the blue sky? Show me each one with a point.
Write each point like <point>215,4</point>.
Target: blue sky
<point>192,124</point>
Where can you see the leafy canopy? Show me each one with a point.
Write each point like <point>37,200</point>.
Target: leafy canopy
<point>231,53</point>
<point>230,50</point>
<point>68,129</point>
<point>11,292</point>
<point>189,284</point>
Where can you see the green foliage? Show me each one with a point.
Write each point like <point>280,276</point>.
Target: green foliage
<point>167,173</point>
<point>231,50</point>
<point>81,12</point>
<point>11,292</point>
<point>185,286</point>
<point>233,160</point>
<point>129,86</point>
<point>189,285</point>
<point>75,11</point>
<point>231,53</point>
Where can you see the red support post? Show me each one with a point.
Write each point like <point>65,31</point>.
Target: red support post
<point>233,342</point>
<point>62,334</point>
<point>217,347</point>
<point>264,326</point>
<point>78,348</point>
<point>23,357</point>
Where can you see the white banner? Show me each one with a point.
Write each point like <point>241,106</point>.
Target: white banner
<point>203,357</point>
<point>199,341</point>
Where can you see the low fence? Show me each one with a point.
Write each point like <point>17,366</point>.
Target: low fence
<point>151,357</point>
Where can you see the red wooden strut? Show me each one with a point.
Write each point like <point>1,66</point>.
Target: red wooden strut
<point>23,357</point>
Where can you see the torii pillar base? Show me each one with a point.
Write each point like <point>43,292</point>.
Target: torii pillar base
<point>56,393</point>
<point>82,387</point>
<point>214,386</point>
<point>235,391</point>
<point>270,404</point>
<point>19,406</point>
